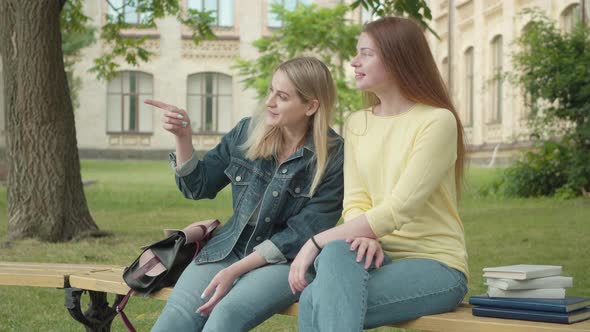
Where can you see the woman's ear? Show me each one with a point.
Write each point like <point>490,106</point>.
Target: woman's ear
<point>312,107</point>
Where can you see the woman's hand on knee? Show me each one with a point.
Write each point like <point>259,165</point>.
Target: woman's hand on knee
<point>369,248</point>
<point>300,265</point>
<point>221,284</point>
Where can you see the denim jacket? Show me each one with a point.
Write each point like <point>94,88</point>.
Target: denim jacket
<point>288,215</point>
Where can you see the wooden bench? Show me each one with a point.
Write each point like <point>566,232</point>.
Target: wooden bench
<point>98,280</point>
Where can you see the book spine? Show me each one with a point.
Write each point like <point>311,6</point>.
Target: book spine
<point>548,293</point>
<point>522,315</point>
<point>547,282</point>
<point>500,303</point>
<point>543,273</point>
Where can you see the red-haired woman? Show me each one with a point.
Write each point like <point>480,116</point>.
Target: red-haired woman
<point>401,252</point>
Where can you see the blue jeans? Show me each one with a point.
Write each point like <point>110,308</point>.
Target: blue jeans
<point>255,297</point>
<point>346,297</point>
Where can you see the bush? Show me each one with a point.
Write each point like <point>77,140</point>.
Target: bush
<point>553,169</point>
<point>551,67</point>
<point>539,173</point>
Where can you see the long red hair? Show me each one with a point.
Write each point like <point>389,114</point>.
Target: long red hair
<point>407,57</point>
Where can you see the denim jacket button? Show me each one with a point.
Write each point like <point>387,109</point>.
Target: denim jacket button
<point>267,219</point>
<point>284,171</point>
<point>259,238</point>
<point>297,190</point>
<point>238,178</point>
<point>275,194</point>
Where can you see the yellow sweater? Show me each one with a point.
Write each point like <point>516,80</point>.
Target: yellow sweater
<point>400,172</point>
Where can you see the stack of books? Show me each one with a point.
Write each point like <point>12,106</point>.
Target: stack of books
<point>530,292</point>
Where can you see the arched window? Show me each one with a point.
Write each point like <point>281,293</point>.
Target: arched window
<point>272,20</point>
<point>222,10</point>
<point>210,102</point>
<point>468,62</point>
<point>126,111</point>
<point>497,54</point>
<point>570,16</point>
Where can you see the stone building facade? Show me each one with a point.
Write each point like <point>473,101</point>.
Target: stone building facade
<point>480,35</point>
<point>112,120</point>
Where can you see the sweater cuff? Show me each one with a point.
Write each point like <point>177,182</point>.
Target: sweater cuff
<point>270,253</point>
<point>381,220</point>
<point>185,168</point>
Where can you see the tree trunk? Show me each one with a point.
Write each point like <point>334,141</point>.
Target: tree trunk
<point>45,194</point>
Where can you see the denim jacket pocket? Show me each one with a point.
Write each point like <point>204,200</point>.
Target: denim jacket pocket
<point>298,193</point>
<point>241,175</point>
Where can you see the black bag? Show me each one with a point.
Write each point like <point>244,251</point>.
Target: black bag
<point>161,263</point>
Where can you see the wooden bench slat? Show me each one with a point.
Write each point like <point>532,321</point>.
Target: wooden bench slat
<point>461,320</point>
<point>29,270</point>
<point>107,278</point>
<point>109,281</point>
<point>51,266</point>
<point>35,279</point>
<point>42,274</point>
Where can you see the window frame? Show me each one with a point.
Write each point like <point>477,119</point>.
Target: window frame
<point>134,24</point>
<point>204,95</point>
<point>269,13</point>
<point>137,110</point>
<point>216,24</point>
<point>570,17</point>
<point>497,64</point>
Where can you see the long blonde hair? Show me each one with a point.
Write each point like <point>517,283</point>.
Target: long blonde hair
<point>407,57</point>
<point>312,80</point>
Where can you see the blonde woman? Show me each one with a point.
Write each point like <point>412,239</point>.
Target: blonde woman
<point>400,253</point>
<point>285,170</point>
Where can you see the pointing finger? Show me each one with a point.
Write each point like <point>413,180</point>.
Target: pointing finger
<point>160,105</point>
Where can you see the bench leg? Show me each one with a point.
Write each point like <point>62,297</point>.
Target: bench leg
<point>99,316</point>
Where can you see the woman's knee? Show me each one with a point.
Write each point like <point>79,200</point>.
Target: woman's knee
<point>335,250</point>
<point>179,314</point>
<point>230,316</point>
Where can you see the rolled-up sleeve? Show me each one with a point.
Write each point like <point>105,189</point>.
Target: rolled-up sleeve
<point>322,211</point>
<point>270,253</point>
<point>185,168</point>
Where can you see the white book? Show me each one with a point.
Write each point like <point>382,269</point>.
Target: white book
<point>522,271</point>
<point>547,293</point>
<point>544,282</point>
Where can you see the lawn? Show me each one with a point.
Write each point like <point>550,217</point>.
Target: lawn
<point>135,200</point>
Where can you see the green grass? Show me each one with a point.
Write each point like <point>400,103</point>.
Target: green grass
<point>135,200</point>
